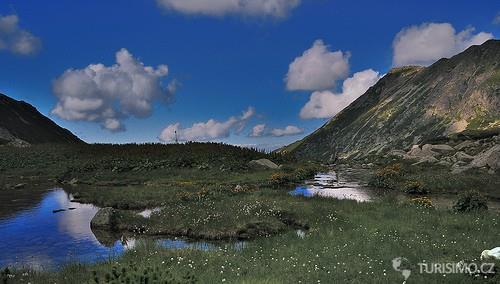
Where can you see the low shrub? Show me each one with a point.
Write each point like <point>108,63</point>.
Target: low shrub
<point>470,201</point>
<point>414,187</point>
<point>387,177</point>
<point>280,179</point>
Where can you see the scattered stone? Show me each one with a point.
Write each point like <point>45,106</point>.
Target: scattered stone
<point>73,181</point>
<point>426,159</point>
<point>397,153</point>
<point>444,163</point>
<point>461,156</point>
<point>440,148</point>
<point>238,187</point>
<point>264,163</point>
<point>104,218</point>
<point>489,158</point>
<point>20,185</point>
<point>416,152</point>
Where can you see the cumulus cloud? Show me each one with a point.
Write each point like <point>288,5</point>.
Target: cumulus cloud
<point>108,94</point>
<point>317,68</point>
<point>206,131</point>
<point>267,8</point>
<point>496,20</point>
<point>15,39</point>
<point>426,43</point>
<point>326,104</point>
<point>260,130</point>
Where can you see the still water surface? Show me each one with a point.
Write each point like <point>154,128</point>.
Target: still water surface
<point>40,237</point>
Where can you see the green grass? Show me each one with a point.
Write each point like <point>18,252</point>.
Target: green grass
<point>347,243</point>
<point>195,187</point>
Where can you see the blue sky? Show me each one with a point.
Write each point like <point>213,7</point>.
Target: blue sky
<point>224,62</point>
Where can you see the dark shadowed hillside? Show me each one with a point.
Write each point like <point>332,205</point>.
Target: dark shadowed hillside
<point>22,124</point>
<point>412,105</point>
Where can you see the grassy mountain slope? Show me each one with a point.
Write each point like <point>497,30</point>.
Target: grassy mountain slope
<point>414,104</point>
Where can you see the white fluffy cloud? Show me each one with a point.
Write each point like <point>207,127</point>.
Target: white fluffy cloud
<point>271,8</point>
<point>289,130</point>
<point>258,130</point>
<point>15,39</point>
<point>261,130</point>
<point>107,95</point>
<point>424,44</point>
<point>206,131</point>
<point>326,104</point>
<point>317,68</point>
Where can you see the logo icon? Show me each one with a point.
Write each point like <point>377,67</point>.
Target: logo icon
<point>399,264</point>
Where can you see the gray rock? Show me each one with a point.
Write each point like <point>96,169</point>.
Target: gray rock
<point>20,185</point>
<point>417,153</point>
<point>440,148</point>
<point>444,163</point>
<point>461,156</point>
<point>104,218</point>
<point>464,145</point>
<point>263,163</point>
<point>489,158</point>
<point>426,159</point>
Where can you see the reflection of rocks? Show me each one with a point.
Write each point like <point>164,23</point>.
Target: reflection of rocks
<point>105,218</point>
<point>106,238</point>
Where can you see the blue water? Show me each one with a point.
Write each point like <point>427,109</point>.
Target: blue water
<point>38,238</point>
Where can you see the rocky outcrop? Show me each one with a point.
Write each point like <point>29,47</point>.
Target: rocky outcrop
<point>263,163</point>
<point>105,218</point>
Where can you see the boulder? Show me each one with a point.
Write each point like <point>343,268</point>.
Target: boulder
<point>461,156</point>
<point>263,163</point>
<point>464,145</point>
<point>417,153</point>
<point>489,158</point>
<point>440,148</point>
<point>105,218</point>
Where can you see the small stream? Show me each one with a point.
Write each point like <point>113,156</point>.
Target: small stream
<point>350,186</point>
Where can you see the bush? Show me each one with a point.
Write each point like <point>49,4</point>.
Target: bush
<point>414,187</point>
<point>387,177</point>
<point>280,179</point>
<point>470,201</point>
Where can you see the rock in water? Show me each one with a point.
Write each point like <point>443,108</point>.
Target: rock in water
<point>105,218</point>
<point>263,163</point>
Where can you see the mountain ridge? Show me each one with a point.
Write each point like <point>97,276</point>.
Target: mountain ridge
<point>21,124</point>
<point>412,104</point>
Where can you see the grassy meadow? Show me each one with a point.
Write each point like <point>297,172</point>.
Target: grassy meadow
<point>209,192</point>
